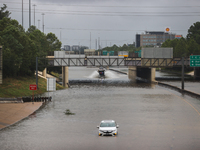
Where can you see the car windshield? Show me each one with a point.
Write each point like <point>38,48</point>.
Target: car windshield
<point>107,124</point>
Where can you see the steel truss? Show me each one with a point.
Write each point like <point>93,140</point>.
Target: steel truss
<point>140,62</point>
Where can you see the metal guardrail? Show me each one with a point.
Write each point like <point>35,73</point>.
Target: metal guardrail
<point>140,62</point>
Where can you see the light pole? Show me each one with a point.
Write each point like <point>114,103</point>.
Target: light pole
<point>39,24</point>
<point>22,14</point>
<point>29,13</point>
<point>34,13</point>
<point>43,21</point>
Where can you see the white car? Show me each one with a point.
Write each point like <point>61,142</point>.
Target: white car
<point>108,127</point>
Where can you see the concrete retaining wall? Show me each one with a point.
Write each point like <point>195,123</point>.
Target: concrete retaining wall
<point>180,90</point>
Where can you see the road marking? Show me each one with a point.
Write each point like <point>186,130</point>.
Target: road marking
<point>187,103</point>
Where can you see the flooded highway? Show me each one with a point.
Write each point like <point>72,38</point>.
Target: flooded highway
<point>150,117</point>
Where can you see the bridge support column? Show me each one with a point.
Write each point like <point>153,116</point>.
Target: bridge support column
<point>44,72</point>
<point>146,73</point>
<point>132,73</point>
<point>153,74</point>
<point>65,81</point>
<point>196,73</point>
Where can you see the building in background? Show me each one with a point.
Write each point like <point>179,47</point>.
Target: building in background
<point>153,38</point>
<point>67,47</point>
<point>75,49</point>
<point>89,52</point>
<point>178,36</point>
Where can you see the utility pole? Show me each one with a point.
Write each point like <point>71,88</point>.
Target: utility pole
<point>22,14</point>
<point>43,21</point>
<point>182,73</point>
<point>29,13</point>
<point>34,13</point>
<point>39,24</point>
<point>96,44</point>
<point>90,40</point>
<point>60,33</point>
<point>99,42</point>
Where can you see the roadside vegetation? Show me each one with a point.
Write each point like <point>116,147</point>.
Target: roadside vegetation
<point>19,87</point>
<point>185,47</point>
<point>20,49</point>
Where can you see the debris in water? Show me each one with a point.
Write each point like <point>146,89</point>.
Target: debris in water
<point>68,112</point>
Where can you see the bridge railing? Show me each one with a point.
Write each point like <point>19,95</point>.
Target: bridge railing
<point>114,61</point>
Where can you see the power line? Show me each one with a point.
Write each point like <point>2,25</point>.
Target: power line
<point>140,15</point>
<point>136,6</point>
<point>101,29</point>
<point>142,12</point>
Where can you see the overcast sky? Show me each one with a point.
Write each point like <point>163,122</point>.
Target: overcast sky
<point>111,21</point>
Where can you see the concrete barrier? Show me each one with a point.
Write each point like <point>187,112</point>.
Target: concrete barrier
<point>180,90</point>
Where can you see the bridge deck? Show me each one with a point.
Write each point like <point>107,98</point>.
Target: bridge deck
<point>114,61</point>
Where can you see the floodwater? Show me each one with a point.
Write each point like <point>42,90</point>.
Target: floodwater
<point>150,117</point>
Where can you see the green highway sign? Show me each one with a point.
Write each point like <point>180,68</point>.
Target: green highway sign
<point>194,60</point>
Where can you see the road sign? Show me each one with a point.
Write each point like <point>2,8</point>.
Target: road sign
<point>194,60</point>
<point>32,87</point>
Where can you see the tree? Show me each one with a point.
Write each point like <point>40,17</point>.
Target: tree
<point>4,13</point>
<point>12,47</point>
<point>179,47</point>
<point>54,43</point>
<point>194,32</point>
<point>192,47</point>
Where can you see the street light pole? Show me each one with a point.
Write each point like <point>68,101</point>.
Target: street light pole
<point>39,24</point>
<point>22,14</point>
<point>182,73</point>
<point>29,13</point>
<point>43,21</point>
<point>34,13</point>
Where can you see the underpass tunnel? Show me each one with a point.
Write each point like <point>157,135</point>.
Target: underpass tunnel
<point>144,73</point>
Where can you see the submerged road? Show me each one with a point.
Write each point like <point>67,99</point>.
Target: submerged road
<point>150,117</point>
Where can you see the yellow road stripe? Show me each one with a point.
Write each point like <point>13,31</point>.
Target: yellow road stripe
<point>187,103</point>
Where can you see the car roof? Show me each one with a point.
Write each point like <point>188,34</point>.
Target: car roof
<point>107,121</point>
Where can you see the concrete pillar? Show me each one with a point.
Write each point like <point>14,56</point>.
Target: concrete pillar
<point>196,73</point>
<point>44,72</point>
<point>147,73</point>
<point>65,80</point>
<point>132,73</point>
<point>153,74</point>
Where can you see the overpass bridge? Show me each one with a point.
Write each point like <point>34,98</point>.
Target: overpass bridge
<point>114,61</point>
<point>141,67</point>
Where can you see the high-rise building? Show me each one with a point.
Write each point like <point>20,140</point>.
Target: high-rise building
<point>152,38</point>
<point>67,47</point>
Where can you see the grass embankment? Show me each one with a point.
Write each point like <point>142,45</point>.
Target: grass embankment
<point>19,87</point>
